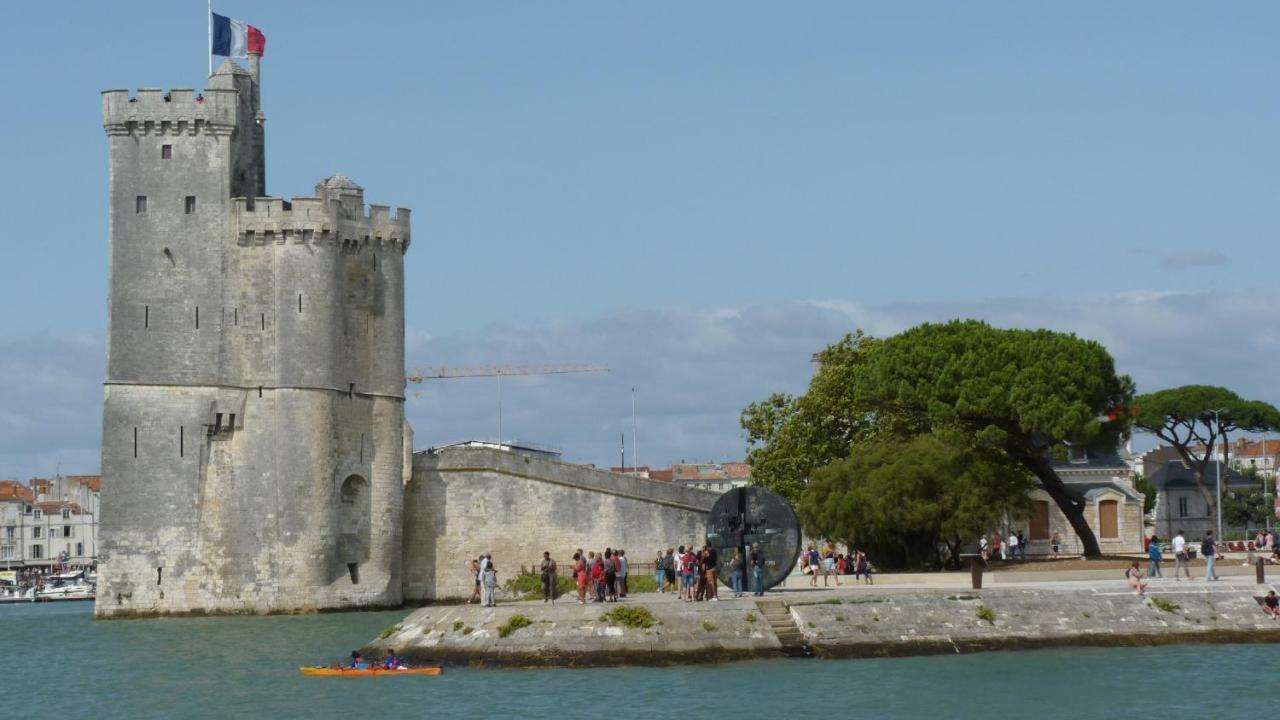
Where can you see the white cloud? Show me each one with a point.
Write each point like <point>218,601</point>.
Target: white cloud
<point>694,369</point>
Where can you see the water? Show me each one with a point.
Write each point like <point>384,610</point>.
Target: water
<point>59,663</point>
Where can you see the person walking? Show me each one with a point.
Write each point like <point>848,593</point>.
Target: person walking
<point>549,578</point>
<point>1055,543</point>
<point>1153,552</point>
<point>669,570</point>
<point>829,564</point>
<point>997,545</point>
<point>490,582</point>
<point>757,570</point>
<point>1209,548</point>
<point>1012,542</point>
<point>814,564</point>
<point>862,567</point>
<point>621,556</point>
<point>1022,545</point>
<point>735,573</point>
<point>1181,561</point>
<point>659,572</point>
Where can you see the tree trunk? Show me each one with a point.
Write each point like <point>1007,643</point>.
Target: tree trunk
<point>1210,493</point>
<point>1072,508</point>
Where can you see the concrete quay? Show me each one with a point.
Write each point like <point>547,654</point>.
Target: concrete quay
<point>889,619</point>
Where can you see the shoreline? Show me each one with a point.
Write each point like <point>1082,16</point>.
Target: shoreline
<point>851,622</point>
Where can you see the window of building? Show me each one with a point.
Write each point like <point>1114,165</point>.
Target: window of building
<point>166,152</point>
<point>140,204</point>
<point>66,531</point>
<point>1183,510</point>
<point>1039,520</point>
<point>10,532</point>
<point>79,548</point>
<point>189,204</point>
<point>37,552</point>
<point>1108,519</point>
<point>1077,454</point>
<point>66,513</point>
<point>36,532</point>
<point>6,552</point>
<point>37,514</point>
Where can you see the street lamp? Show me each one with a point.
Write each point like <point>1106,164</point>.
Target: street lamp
<point>1217,471</point>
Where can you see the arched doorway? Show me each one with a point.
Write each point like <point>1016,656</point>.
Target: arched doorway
<point>353,524</point>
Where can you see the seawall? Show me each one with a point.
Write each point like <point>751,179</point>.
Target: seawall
<point>851,622</point>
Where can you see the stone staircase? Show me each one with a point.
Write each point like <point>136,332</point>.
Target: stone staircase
<point>776,613</point>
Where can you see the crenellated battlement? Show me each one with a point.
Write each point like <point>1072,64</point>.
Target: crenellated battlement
<point>180,110</point>
<point>316,221</point>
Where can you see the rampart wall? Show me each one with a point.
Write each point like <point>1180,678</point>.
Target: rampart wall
<point>465,501</point>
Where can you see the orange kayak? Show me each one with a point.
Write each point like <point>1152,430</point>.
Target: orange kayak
<point>382,672</point>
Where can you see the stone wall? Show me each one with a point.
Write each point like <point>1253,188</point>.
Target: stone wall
<point>465,501</point>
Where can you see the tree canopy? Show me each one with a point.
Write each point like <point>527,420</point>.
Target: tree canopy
<point>903,500</point>
<point>1196,420</point>
<point>1023,393</point>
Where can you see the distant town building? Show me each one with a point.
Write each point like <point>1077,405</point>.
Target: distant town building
<point>1113,507</point>
<point>49,522</point>
<point>1180,505</point>
<point>716,477</point>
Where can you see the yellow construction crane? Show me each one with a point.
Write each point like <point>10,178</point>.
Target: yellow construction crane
<point>418,375</point>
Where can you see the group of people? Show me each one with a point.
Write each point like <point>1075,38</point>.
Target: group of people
<point>602,576</point>
<point>1009,546</point>
<point>1181,557</point>
<point>694,573</point>
<point>486,579</point>
<point>828,562</point>
<point>390,662</point>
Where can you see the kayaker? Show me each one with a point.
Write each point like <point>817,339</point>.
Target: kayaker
<point>392,662</point>
<point>357,661</point>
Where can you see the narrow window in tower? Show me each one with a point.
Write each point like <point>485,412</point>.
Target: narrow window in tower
<point>182,441</point>
<point>166,152</point>
<point>264,321</point>
<point>197,317</point>
<point>140,204</point>
<point>189,204</point>
<point>299,302</point>
<point>146,316</point>
<point>135,443</point>
<point>259,391</point>
<point>375,260</point>
<point>361,447</point>
<point>354,569</point>
<point>231,421</point>
<point>217,422</point>
<point>236,315</point>
<point>159,575</point>
<point>351,390</point>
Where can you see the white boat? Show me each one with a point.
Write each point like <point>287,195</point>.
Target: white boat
<point>67,591</point>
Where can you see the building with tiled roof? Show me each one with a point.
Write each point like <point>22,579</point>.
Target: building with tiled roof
<point>49,522</point>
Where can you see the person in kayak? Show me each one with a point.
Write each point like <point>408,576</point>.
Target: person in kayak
<point>392,662</point>
<point>357,661</point>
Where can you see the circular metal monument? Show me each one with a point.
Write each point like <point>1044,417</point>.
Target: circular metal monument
<point>746,517</point>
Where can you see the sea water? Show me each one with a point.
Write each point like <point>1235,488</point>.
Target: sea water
<point>59,663</point>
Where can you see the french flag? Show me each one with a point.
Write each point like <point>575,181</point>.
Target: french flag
<point>234,38</point>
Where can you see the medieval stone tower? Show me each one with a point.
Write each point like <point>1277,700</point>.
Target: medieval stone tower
<point>254,448</point>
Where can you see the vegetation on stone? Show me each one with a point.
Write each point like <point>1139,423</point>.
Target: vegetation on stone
<point>1165,605</point>
<point>388,632</point>
<point>1015,395</point>
<point>635,616</point>
<point>987,614</point>
<point>750,617</point>
<point>1193,414</point>
<point>708,625</point>
<point>458,625</point>
<point>529,587</point>
<point>513,623</point>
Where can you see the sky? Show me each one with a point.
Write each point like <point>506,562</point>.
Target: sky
<point>699,197</point>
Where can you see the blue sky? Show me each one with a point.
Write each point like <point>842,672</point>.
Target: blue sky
<point>695,195</point>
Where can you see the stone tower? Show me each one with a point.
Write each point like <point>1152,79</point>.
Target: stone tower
<point>254,444</point>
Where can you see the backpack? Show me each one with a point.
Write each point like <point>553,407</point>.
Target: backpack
<point>1206,548</point>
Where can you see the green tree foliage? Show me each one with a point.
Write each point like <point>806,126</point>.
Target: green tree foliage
<point>1245,508</point>
<point>1196,419</point>
<point>1023,392</point>
<point>903,500</point>
<point>789,437</point>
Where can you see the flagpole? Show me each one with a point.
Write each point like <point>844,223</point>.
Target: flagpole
<point>209,47</point>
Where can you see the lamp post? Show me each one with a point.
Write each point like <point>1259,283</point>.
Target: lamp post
<point>1217,471</point>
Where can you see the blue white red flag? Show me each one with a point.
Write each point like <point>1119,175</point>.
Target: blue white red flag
<point>234,38</point>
